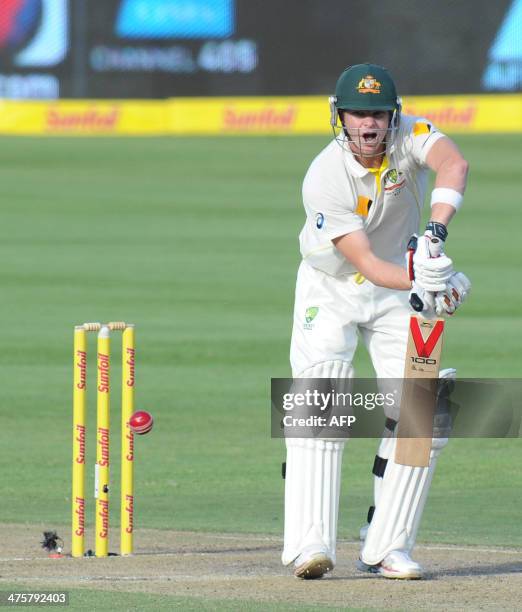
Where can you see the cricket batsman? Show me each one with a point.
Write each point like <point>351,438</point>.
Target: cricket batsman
<point>363,196</point>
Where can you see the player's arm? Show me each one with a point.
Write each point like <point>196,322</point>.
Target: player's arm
<point>451,170</point>
<point>355,246</point>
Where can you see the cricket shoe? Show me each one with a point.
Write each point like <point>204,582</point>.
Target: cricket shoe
<point>397,564</point>
<point>312,565</point>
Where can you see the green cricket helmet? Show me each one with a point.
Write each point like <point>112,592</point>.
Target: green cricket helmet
<point>366,87</point>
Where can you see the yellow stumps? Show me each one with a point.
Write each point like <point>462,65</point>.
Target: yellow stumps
<point>127,441</point>
<point>78,460</point>
<point>101,478</point>
<point>102,466</point>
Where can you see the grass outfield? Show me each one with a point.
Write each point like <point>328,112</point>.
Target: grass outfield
<point>195,240</point>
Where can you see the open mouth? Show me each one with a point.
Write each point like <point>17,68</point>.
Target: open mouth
<point>370,138</point>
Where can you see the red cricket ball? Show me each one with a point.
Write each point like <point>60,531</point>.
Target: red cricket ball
<point>141,422</point>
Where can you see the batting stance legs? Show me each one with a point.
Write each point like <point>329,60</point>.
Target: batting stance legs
<point>313,482</point>
<point>400,494</point>
<point>328,316</point>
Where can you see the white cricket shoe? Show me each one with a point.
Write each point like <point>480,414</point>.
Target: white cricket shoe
<point>311,565</point>
<point>397,564</point>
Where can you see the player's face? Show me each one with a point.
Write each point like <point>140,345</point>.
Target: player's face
<point>367,131</point>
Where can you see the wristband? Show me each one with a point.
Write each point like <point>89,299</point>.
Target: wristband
<point>444,195</point>
<point>437,230</point>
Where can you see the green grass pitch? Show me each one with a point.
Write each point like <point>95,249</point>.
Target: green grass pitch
<point>195,241</point>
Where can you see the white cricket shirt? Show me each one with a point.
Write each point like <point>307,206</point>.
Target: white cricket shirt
<point>340,196</point>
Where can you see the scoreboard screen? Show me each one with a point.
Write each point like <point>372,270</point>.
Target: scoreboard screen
<point>166,48</point>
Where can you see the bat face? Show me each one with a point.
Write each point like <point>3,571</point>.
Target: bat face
<point>419,392</point>
<point>424,348</point>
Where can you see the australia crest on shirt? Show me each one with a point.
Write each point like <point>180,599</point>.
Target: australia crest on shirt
<point>310,314</point>
<point>394,182</point>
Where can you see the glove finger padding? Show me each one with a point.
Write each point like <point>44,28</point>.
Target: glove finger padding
<point>430,283</point>
<point>436,271</point>
<point>431,277</point>
<point>432,269</point>
<point>457,290</point>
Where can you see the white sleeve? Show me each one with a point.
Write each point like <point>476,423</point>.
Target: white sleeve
<point>329,211</point>
<point>422,136</point>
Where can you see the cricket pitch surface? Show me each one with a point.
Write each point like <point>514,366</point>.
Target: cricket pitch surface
<point>248,568</point>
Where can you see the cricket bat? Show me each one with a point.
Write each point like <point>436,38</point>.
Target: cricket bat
<point>419,393</point>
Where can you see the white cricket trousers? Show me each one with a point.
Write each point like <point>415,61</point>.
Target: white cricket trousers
<point>330,313</point>
<point>344,308</point>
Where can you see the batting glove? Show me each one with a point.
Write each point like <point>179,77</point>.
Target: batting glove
<point>420,299</point>
<point>457,290</point>
<point>428,264</point>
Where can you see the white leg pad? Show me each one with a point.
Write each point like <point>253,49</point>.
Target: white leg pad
<point>384,452</point>
<point>387,445</point>
<point>313,483</point>
<point>402,497</point>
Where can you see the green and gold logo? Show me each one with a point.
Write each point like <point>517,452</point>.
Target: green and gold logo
<point>310,314</point>
<point>369,84</point>
<point>394,180</point>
